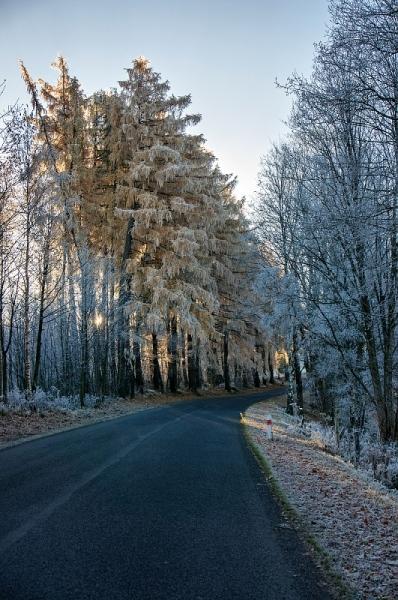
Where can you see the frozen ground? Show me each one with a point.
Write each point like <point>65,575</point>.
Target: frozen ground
<point>353,518</point>
<point>20,419</point>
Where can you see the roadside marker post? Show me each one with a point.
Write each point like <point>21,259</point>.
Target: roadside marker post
<point>268,430</point>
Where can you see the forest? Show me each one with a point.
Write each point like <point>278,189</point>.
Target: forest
<point>128,263</point>
<point>327,217</point>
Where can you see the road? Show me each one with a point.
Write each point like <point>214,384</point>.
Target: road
<point>163,504</point>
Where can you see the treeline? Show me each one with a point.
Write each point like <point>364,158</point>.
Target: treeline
<point>125,261</point>
<point>327,212</point>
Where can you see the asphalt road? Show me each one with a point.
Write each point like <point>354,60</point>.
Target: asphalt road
<point>163,504</point>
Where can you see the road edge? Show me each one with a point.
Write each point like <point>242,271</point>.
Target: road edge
<point>38,436</point>
<point>338,586</point>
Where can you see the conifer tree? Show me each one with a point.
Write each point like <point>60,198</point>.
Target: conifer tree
<point>170,285</point>
<point>149,240</point>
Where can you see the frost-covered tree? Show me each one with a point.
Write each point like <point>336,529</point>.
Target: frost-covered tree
<point>137,267</point>
<point>337,224</point>
<point>166,200</point>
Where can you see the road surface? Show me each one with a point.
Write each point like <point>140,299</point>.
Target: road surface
<point>163,504</point>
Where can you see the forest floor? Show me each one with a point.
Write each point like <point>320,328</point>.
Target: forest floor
<point>351,519</point>
<point>24,423</point>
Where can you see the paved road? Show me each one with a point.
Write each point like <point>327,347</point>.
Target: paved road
<point>163,504</point>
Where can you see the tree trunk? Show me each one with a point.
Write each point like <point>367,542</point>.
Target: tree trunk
<point>184,361</point>
<point>270,367</point>
<point>26,344</point>
<point>126,381</point>
<point>263,358</point>
<point>227,377</point>
<point>245,382</point>
<point>3,361</point>
<point>157,375</point>
<point>125,372</point>
<point>112,344</point>
<point>290,391</point>
<point>71,332</point>
<point>192,366</point>
<point>172,374</point>
<point>297,372</point>
<point>256,378</point>
<point>4,376</point>
<point>43,285</point>
<point>197,365</point>
<point>139,378</point>
<point>83,349</point>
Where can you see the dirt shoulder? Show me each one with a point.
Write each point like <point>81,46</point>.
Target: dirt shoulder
<point>22,425</point>
<point>352,519</point>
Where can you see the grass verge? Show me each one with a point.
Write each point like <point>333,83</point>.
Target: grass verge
<point>338,586</point>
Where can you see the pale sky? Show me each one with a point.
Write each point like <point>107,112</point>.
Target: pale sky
<point>226,54</point>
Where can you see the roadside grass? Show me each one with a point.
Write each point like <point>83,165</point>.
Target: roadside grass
<point>338,586</point>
